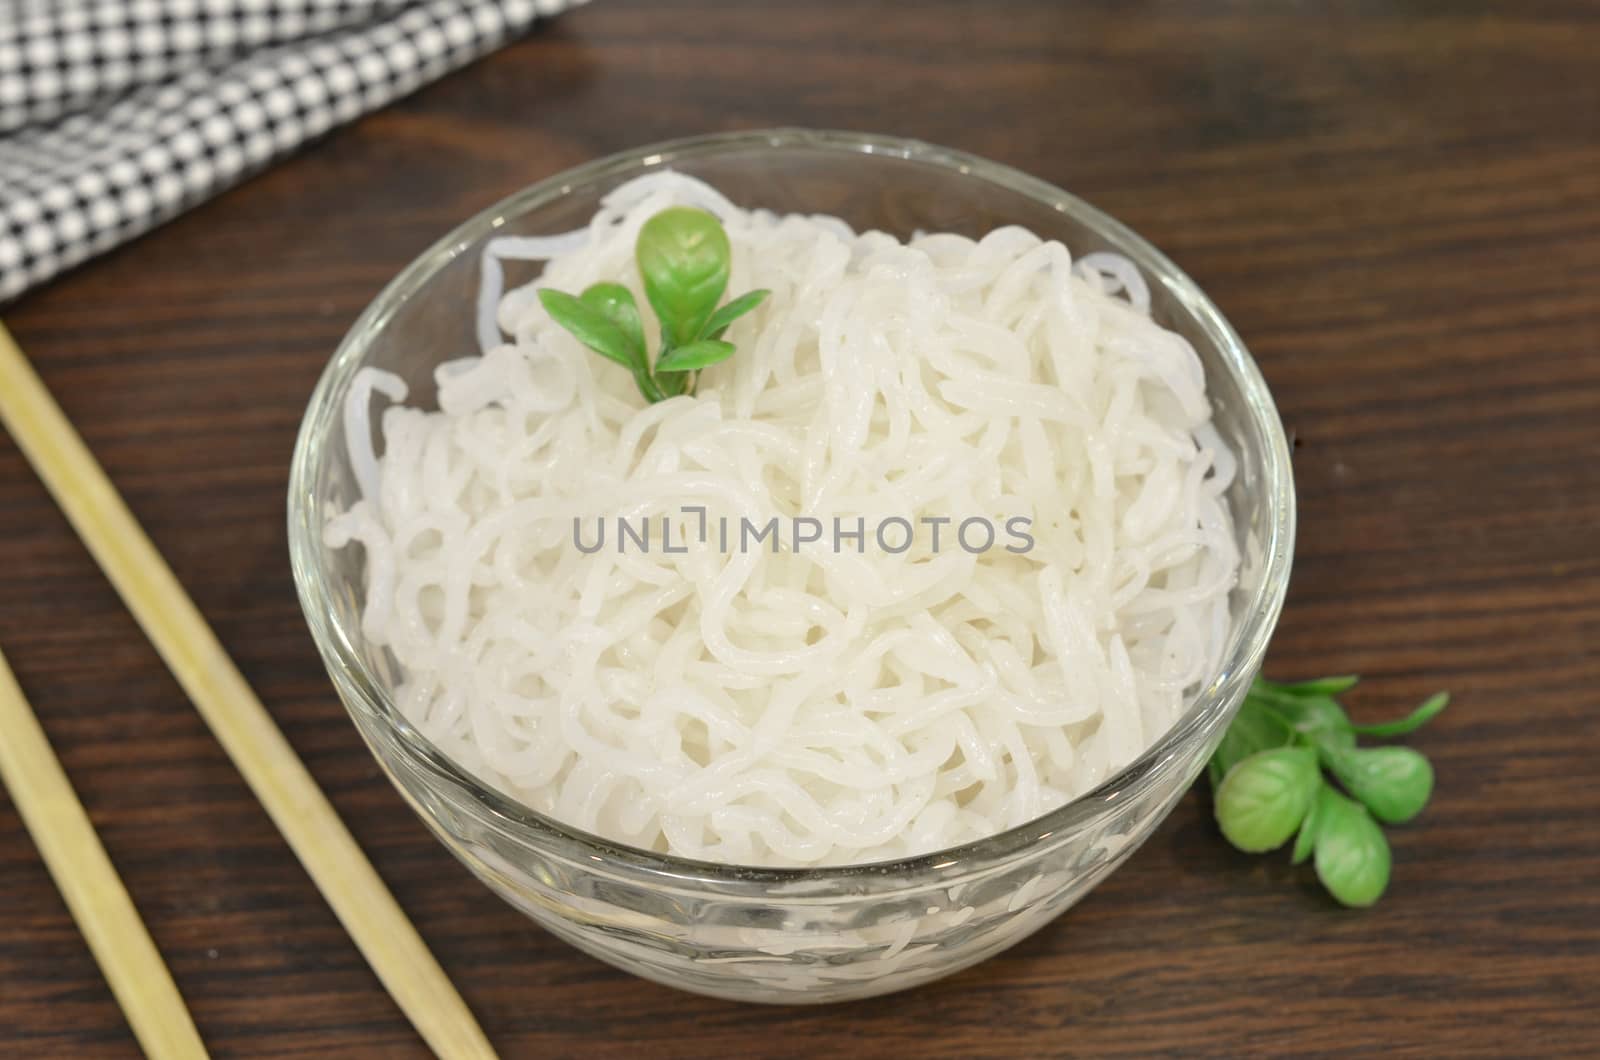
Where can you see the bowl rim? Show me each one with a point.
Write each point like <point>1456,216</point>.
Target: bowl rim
<point>1211,707</point>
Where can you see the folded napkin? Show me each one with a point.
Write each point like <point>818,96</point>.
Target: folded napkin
<point>115,115</point>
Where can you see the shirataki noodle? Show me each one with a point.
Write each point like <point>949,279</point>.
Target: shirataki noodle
<point>824,705</point>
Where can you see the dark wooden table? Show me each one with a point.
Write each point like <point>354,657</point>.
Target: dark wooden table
<point>1397,204</point>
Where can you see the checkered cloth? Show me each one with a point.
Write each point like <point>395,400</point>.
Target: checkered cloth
<point>116,115</point>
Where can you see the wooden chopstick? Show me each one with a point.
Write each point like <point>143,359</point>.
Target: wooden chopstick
<point>88,881</point>
<point>236,717</point>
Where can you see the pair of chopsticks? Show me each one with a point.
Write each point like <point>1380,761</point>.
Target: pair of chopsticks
<point>94,894</point>
<point>240,723</point>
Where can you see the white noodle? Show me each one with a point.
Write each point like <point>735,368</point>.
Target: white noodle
<point>358,423</point>
<point>805,706</point>
<point>1124,276</point>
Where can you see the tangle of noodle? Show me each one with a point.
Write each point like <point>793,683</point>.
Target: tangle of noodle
<point>806,706</point>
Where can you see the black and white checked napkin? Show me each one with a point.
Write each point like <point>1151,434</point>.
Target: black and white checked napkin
<point>115,115</point>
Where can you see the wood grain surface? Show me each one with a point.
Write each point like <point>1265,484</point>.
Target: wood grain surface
<point>1397,204</point>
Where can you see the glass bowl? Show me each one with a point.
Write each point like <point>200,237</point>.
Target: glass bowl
<point>784,935</point>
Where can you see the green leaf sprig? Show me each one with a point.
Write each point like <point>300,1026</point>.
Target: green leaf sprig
<point>1269,780</point>
<point>683,258</point>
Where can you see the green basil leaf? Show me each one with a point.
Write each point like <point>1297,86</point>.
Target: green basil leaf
<point>694,356</point>
<point>1394,782</point>
<point>683,257</point>
<point>1411,722</point>
<point>1305,840</point>
<point>615,302</point>
<point>589,326</point>
<point>1321,720</point>
<point>1352,855</point>
<point>1252,730</point>
<point>673,384</point>
<point>648,387</point>
<point>1264,798</point>
<point>1322,686</point>
<point>722,318</point>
